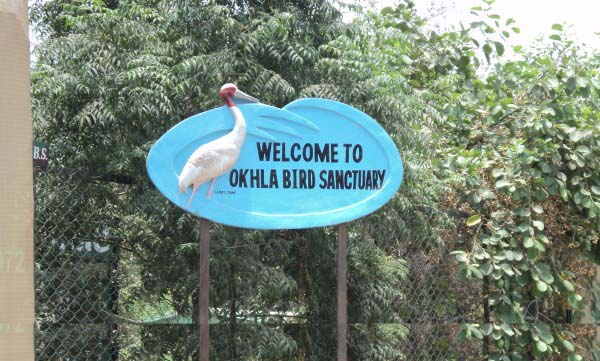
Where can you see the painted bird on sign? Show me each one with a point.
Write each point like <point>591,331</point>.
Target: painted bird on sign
<point>215,158</point>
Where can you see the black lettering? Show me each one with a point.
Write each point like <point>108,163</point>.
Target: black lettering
<point>243,173</point>
<point>339,179</point>
<point>302,182</point>
<point>381,177</point>
<point>357,153</point>
<point>369,183</point>
<point>286,178</point>
<point>254,178</point>
<point>264,151</point>
<point>295,147</point>
<point>330,180</point>
<point>294,178</point>
<point>307,157</point>
<point>347,177</point>
<point>273,182</point>
<point>347,149</point>
<point>355,174</point>
<point>322,177</point>
<point>284,156</point>
<point>276,152</point>
<point>233,178</point>
<point>321,155</point>
<point>361,180</point>
<point>262,179</point>
<point>311,179</point>
<point>334,153</point>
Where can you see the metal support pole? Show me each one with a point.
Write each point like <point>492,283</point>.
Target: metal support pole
<point>204,284</point>
<point>342,301</point>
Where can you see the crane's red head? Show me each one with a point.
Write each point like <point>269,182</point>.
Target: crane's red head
<point>229,92</point>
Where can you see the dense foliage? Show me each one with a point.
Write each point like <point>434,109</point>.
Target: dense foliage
<point>507,149</point>
<point>109,80</point>
<point>527,167</point>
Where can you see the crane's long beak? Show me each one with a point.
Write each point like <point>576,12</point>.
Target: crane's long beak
<point>243,96</point>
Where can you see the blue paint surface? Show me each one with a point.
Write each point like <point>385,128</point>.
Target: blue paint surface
<point>243,198</point>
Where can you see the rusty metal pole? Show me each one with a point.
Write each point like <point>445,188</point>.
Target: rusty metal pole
<point>342,300</point>
<point>204,284</point>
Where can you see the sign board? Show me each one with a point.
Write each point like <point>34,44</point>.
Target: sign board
<point>316,162</point>
<point>41,155</point>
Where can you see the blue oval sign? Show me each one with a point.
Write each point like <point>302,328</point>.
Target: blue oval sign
<point>316,162</point>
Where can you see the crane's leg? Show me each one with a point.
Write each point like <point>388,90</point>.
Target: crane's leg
<point>212,183</point>
<point>194,189</point>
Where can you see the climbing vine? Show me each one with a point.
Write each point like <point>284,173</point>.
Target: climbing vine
<point>524,163</point>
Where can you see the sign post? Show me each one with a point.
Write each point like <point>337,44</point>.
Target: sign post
<point>203,316</point>
<point>342,297</point>
<point>313,163</point>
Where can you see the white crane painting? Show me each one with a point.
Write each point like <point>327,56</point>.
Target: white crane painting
<point>213,159</point>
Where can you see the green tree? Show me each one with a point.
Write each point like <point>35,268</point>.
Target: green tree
<point>111,79</point>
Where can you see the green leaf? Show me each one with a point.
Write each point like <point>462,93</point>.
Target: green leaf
<point>460,256</point>
<point>573,357</point>
<point>564,194</point>
<point>557,27</point>
<point>477,333</point>
<point>571,82</point>
<point>522,212</point>
<point>555,37</point>
<point>528,242</point>
<point>502,183</point>
<point>507,329</point>
<point>574,300</point>
<point>537,208</point>
<point>472,269</point>
<point>473,220</point>
<point>545,273</point>
<point>497,172</point>
<point>487,50</point>
<point>544,332</point>
<point>568,285</point>
<point>507,269</point>
<point>499,48</point>
<point>541,346</point>
<point>406,60</point>
<point>567,345</point>
<point>582,82</point>
<point>539,225</point>
<point>486,268</point>
<point>541,286</point>
<point>387,10</point>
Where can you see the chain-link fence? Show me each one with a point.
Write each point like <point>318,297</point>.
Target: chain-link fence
<point>76,268</point>
<point>93,302</point>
